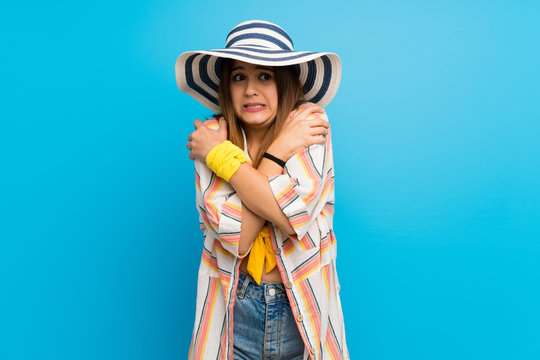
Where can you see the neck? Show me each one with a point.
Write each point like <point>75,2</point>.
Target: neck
<point>255,137</point>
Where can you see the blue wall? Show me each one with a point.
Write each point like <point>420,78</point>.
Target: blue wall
<point>437,174</point>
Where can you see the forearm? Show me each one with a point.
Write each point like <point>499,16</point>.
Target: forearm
<point>252,185</point>
<point>254,191</point>
<point>251,226</point>
<point>251,222</point>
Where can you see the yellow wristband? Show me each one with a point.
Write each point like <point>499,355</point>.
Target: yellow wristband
<point>224,159</point>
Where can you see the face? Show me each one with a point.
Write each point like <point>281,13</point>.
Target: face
<point>254,94</point>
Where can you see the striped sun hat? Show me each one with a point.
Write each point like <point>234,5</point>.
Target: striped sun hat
<point>262,43</point>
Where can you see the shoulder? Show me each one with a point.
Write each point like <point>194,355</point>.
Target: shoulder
<point>211,123</point>
<point>303,106</point>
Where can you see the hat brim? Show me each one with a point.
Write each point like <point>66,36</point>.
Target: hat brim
<point>197,72</point>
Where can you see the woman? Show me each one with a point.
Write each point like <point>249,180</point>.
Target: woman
<point>264,173</point>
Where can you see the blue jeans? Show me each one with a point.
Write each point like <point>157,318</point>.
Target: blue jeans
<point>264,326</point>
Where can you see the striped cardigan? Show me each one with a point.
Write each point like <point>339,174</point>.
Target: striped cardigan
<point>306,261</point>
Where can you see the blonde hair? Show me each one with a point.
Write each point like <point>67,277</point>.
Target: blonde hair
<point>290,96</point>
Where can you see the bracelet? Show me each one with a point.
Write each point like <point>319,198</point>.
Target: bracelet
<point>274,159</point>
<point>225,159</point>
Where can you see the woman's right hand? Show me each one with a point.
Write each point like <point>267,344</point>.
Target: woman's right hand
<point>304,127</point>
<point>203,139</point>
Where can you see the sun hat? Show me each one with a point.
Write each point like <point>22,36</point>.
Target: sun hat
<point>262,43</point>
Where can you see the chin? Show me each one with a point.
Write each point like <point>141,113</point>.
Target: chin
<point>257,120</point>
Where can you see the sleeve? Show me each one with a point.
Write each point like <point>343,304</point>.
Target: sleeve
<point>306,186</point>
<point>219,207</point>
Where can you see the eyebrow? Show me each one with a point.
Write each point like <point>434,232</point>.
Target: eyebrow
<point>258,67</point>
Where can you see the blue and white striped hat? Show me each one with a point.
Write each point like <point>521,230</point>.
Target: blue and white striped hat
<point>262,43</point>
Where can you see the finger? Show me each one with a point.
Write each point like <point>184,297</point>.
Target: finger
<point>312,108</point>
<point>197,123</point>
<point>319,139</point>
<point>222,125</point>
<point>318,123</point>
<point>314,112</point>
<point>319,131</point>
<point>306,111</point>
<point>305,105</point>
<point>291,115</point>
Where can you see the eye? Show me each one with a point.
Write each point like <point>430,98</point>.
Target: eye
<point>265,76</point>
<point>238,77</point>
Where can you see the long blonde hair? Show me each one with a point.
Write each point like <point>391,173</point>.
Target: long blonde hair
<point>290,96</point>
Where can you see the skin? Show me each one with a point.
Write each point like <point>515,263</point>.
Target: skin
<point>255,100</point>
<point>254,96</point>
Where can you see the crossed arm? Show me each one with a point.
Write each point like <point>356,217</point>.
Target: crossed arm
<point>258,201</point>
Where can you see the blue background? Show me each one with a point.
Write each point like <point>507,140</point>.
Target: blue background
<point>435,131</point>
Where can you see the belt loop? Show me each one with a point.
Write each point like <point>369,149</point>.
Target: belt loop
<point>242,290</point>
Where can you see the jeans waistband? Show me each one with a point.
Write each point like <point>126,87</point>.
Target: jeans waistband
<point>269,292</point>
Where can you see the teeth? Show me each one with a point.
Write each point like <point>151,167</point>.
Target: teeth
<point>253,106</point>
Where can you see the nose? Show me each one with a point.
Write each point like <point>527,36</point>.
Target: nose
<point>251,88</point>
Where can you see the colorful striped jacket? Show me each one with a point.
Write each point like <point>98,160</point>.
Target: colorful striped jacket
<point>307,261</point>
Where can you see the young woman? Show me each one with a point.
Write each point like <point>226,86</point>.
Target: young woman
<point>267,285</point>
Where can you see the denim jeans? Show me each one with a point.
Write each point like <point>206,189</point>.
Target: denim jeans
<point>264,326</point>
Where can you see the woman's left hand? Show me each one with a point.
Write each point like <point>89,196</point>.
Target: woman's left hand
<point>304,127</point>
<point>203,139</point>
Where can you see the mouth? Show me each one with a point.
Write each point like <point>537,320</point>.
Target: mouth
<point>253,107</point>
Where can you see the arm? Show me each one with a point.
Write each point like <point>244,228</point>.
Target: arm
<point>306,187</point>
<point>221,211</point>
<point>287,202</point>
<point>252,223</point>
<point>300,193</point>
<point>251,185</point>
<point>254,190</point>
<point>251,226</point>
